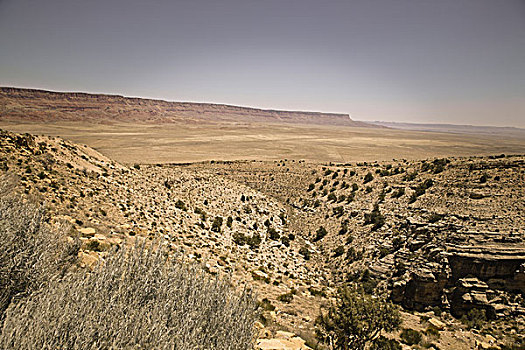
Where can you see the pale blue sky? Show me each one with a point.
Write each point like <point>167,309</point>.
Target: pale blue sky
<point>450,61</point>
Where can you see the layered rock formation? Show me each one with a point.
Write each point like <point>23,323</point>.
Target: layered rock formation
<point>38,105</point>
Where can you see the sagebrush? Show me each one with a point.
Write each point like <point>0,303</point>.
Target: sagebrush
<point>137,299</point>
<point>31,252</point>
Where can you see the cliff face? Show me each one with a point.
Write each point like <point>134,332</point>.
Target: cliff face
<point>27,104</point>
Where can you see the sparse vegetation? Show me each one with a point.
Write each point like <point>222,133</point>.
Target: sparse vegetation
<point>272,238</point>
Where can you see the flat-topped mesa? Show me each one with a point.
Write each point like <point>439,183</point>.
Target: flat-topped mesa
<point>30,104</point>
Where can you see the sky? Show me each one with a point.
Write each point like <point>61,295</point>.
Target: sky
<point>424,61</point>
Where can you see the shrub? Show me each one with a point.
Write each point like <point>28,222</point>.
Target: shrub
<point>180,205</point>
<point>410,336</point>
<point>434,217</point>
<point>285,240</point>
<point>217,224</point>
<point>368,177</point>
<point>355,319</point>
<point>332,197</point>
<point>383,343</point>
<point>201,212</point>
<point>137,299</point>
<point>266,304</point>
<point>340,250</point>
<point>31,252</point>
<point>305,252</point>
<point>475,318</point>
<point>338,211</point>
<point>420,190</point>
<point>437,311</point>
<point>273,234</point>
<point>253,241</point>
<point>410,176</point>
<point>287,297</point>
<point>432,332</point>
<point>320,233</point>
<point>375,218</point>
<point>317,292</point>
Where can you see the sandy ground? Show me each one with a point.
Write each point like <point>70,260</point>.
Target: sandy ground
<point>173,143</point>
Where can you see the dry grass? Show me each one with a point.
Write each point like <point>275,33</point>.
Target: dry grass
<point>138,299</point>
<point>31,253</point>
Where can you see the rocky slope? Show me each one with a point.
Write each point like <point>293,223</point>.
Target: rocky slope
<point>38,105</point>
<point>441,237</point>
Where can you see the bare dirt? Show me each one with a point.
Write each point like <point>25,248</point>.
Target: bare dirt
<point>132,130</point>
<point>175,143</point>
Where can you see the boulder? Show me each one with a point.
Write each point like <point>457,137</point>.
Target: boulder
<point>87,231</point>
<point>282,344</point>
<point>437,324</point>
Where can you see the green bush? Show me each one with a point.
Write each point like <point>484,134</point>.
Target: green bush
<point>332,197</point>
<point>137,299</point>
<point>340,250</point>
<point>475,318</point>
<point>355,319</point>
<point>285,240</point>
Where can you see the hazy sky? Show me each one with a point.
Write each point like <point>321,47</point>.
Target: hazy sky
<point>453,61</point>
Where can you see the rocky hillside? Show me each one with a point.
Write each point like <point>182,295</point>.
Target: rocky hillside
<point>440,237</point>
<point>38,105</point>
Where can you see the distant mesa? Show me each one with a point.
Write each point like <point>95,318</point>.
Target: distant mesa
<point>18,104</point>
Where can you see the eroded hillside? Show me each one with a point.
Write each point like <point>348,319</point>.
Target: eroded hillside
<point>441,237</point>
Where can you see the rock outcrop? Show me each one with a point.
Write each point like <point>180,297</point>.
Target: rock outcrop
<point>29,104</point>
